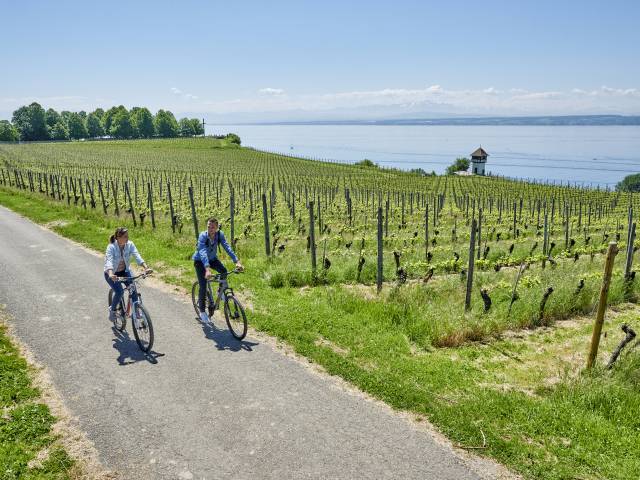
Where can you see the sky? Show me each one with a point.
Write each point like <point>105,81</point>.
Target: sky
<point>310,60</point>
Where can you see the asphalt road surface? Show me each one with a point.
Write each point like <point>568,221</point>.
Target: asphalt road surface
<point>203,405</point>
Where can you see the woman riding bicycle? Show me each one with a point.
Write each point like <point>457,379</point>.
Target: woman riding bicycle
<point>206,257</point>
<point>116,264</point>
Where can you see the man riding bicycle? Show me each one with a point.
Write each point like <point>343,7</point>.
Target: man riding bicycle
<point>206,257</point>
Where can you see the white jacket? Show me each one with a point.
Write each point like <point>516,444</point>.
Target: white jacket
<point>113,257</point>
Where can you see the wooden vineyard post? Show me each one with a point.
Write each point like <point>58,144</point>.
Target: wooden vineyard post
<point>232,211</point>
<point>90,190</point>
<point>602,303</point>
<point>472,245</point>
<point>629,259</point>
<point>479,231</point>
<point>115,198</point>
<point>84,202</point>
<point>379,273</point>
<point>312,238</point>
<point>566,227</point>
<point>426,232</point>
<point>104,204</point>
<point>194,217</point>
<point>150,202</point>
<point>386,218</point>
<point>66,187</point>
<point>171,211</point>
<point>265,218</point>
<point>133,213</point>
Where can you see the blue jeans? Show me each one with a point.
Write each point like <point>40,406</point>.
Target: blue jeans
<point>118,289</point>
<point>217,265</point>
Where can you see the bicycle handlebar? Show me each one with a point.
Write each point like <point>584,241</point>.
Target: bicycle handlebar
<point>217,277</point>
<point>141,275</point>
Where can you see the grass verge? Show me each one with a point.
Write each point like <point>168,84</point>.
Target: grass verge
<point>28,447</point>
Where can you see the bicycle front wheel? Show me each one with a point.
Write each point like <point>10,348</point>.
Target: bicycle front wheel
<point>235,316</point>
<point>208,299</point>
<point>143,328</point>
<point>121,319</point>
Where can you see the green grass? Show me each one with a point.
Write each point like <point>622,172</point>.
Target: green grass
<point>25,423</point>
<point>525,393</point>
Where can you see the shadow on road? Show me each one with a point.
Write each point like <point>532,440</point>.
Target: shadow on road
<point>129,350</point>
<point>224,340</point>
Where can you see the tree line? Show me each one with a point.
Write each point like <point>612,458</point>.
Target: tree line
<point>34,123</point>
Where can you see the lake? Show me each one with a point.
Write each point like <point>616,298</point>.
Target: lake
<point>586,155</point>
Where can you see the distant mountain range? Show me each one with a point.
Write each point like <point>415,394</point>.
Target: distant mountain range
<point>564,120</point>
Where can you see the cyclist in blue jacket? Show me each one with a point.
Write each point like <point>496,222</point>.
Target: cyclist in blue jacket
<point>206,257</point>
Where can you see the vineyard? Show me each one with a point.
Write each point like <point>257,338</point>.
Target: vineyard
<point>434,294</point>
<point>537,249</point>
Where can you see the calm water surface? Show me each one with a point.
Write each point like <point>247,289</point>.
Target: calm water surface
<point>589,155</point>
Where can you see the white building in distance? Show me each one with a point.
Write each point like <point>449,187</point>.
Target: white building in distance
<point>478,160</point>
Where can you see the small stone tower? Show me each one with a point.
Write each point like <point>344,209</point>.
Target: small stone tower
<point>478,159</point>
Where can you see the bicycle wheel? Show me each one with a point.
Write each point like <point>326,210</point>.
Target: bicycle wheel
<point>121,319</point>
<point>235,316</point>
<point>208,300</point>
<point>143,329</point>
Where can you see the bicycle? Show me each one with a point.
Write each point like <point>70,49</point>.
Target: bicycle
<point>142,325</point>
<point>233,310</point>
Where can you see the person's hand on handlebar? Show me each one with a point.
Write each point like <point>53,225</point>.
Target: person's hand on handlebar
<point>239,266</point>
<point>207,273</point>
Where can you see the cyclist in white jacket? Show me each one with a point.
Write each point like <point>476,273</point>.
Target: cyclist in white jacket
<point>116,264</point>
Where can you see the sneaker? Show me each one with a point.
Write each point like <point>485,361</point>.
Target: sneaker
<point>204,318</point>
<point>112,315</point>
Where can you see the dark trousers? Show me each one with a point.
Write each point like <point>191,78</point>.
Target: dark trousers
<point>217,265</point>
<point>118,289</point>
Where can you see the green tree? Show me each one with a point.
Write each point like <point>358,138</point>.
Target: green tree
<point>186,128</point>
<point>8,133</point>
<point>233,138</point>
<point>198,128</point>
<point>142,122</point>
<point>94,126</point>
<point>60,131</point>
<point>121,125</point>
<point>630,183</point>
<point>65,114</point>
<point>166,125</point>
<point>366,163</point>
<point>51,117</point>
<point>98,112</point>
<point>107,118</point>
<point>77,127</point>
<point>461,164</point>
<point>31,123</point>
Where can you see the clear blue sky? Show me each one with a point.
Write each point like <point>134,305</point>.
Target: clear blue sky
<point>229,58</point>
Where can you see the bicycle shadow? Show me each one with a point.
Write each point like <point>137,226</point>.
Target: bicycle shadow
<point>128,349</point>
<point>224,340</point>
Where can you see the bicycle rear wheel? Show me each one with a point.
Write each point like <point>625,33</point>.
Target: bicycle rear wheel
<point>235,316</point>
<point>142,328</point>
<point>121,319</point>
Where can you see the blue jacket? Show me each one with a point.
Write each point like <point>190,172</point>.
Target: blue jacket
<point>112,256</point>
<point>207,250</point>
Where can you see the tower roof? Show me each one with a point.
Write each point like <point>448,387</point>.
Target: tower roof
<point>480,153</point>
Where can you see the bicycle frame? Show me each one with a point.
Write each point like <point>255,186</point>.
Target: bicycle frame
<point>224,290</point>
<point>131,288</point>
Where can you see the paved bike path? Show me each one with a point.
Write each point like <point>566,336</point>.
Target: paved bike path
<point>210,407</point>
